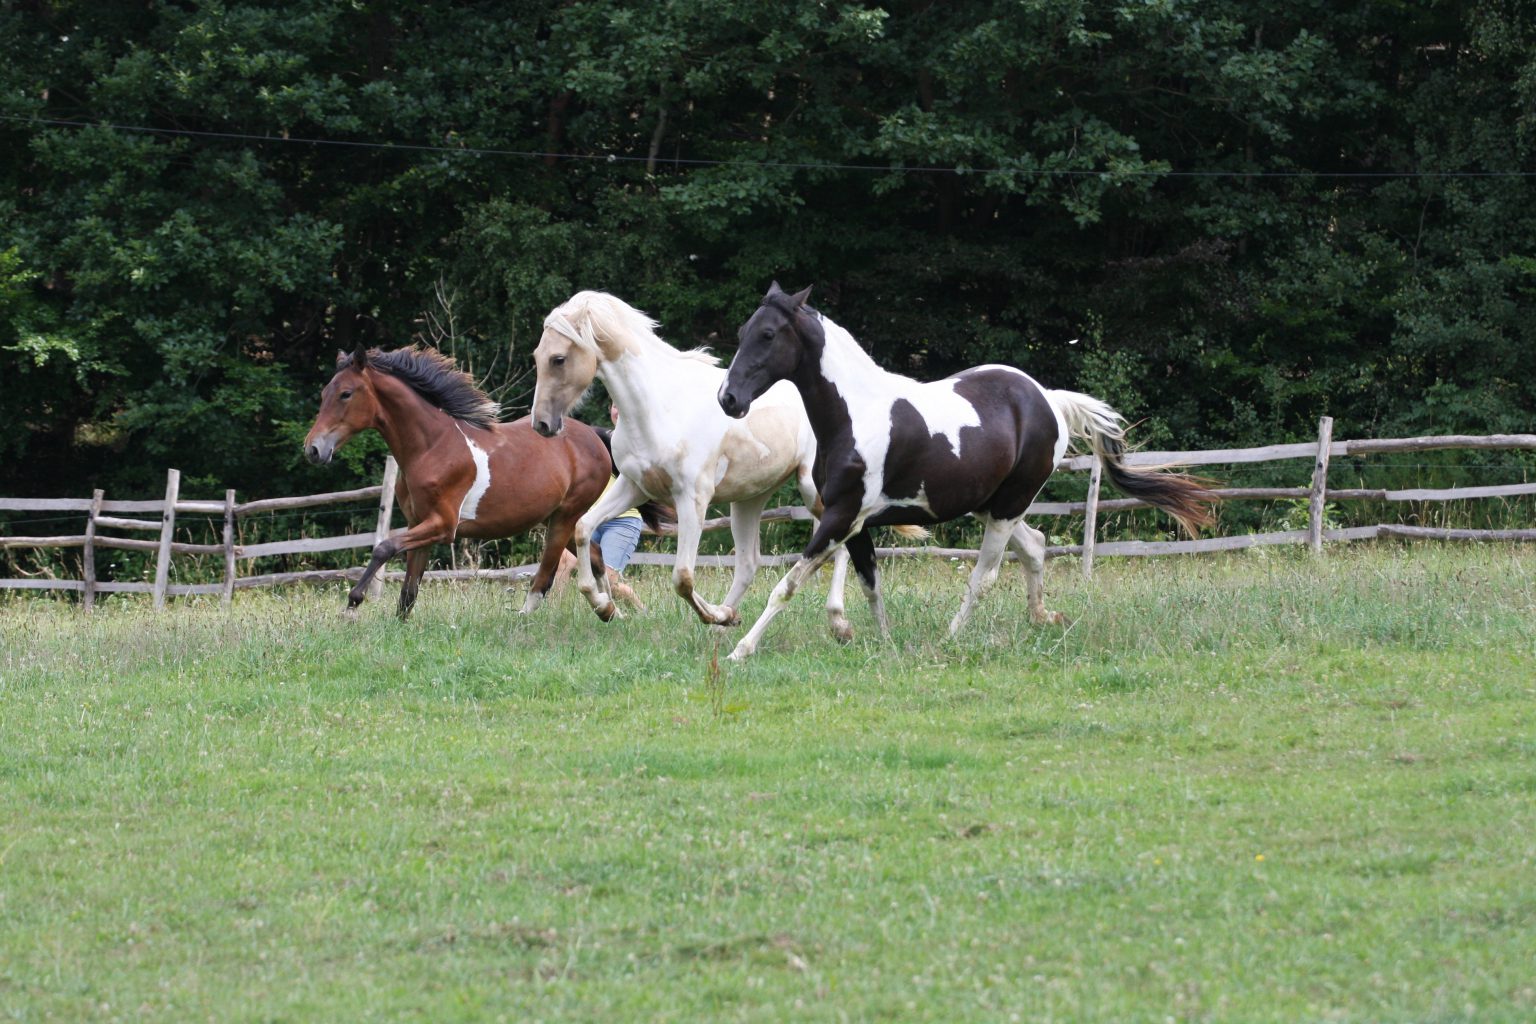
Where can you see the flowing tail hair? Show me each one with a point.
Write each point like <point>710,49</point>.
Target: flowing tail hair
<point>1187,499</point>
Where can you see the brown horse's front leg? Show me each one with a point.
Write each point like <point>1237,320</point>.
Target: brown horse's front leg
<point>423,535</point>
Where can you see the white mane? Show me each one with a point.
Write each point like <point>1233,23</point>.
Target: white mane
<point>589,315</point>
<point>845,360</point>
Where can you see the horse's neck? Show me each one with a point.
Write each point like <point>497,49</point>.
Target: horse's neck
<point>844,376</point>
<point>410,424</point>
<point>655,391</point>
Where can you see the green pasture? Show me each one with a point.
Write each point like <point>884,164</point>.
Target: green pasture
<point>1263,787</point>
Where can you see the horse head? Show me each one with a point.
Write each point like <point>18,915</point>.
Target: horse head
<point>348,404</point>
<point>565,362</point>
<point>769,350</point>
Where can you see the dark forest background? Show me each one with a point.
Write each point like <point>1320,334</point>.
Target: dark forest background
<point>1227,218</point>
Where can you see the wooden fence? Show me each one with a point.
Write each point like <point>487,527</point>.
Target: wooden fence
<point>97,519</point>
<point>102,514</point>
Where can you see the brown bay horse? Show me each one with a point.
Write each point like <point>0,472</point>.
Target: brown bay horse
<point>463,473</point>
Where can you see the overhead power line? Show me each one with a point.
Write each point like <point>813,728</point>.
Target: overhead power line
<point>531,154</point>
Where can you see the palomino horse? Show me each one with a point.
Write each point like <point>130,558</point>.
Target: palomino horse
<point>672,443</point>
<point>462,473</point>
<point>894,450</point>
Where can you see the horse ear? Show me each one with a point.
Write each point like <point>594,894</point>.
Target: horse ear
<point>359,357</point>
<point>341,357</point>
<point>774,289</point>
<point>798,299</point>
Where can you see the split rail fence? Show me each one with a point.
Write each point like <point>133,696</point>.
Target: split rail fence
<point>102,514</point>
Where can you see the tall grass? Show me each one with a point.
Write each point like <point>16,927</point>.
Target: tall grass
<point>1263,787</point>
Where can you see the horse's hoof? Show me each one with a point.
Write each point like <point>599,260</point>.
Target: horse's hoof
<point>349,613</point>
<point>740,654</point>
<point>843,635</point>
<point>608,612</point>
<point>729,616</point>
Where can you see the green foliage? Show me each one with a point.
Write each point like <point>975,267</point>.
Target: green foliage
<point>961,182</point>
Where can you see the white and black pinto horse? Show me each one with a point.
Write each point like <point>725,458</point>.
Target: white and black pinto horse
<point>892,450</point>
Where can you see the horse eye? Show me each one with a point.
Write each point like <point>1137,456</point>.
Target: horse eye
<point>557,361</point>
<point>769,333</point>
<point>346,395</point>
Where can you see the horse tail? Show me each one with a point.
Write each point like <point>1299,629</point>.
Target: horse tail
<point>911,532</point>
<point>655,514</point>
<point>1187,499</point>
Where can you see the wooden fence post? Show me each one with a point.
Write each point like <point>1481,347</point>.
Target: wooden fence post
<point>227,595</point>
<point>1091,515</point>
<point>167,534</point>
<point>1319,485</point>
<point>386,512</point>
<point>88,592</point>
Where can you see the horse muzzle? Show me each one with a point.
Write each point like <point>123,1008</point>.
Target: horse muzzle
<point>732,406</point>
<point>548,426</point>
<point>320,450</point>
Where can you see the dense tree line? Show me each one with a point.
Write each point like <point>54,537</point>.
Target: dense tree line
<point>1227,217</point>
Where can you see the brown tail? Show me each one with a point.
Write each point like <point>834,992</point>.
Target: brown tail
<point>656,515</point>
<point>1188,499</point>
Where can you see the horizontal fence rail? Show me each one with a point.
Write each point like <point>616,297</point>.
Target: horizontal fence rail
<point>132,516</point>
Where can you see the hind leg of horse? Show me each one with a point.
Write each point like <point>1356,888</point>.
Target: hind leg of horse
<point>746,532</point>
<point>993,543</point>
<point>861,550</point>
<point>1029,544</point>
<point>415,565</point>
<point>690,527</point>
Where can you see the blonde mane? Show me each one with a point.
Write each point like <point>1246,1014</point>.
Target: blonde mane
<point>588,316</point>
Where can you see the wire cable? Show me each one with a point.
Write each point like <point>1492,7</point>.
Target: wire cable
<point>612,158</point>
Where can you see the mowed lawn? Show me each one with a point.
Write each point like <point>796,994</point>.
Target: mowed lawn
<point>1263,787</point>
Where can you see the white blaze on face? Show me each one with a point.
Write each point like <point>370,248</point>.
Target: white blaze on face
<point>471,503</point>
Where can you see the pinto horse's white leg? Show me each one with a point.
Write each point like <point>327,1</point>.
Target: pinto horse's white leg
<point>746,521</point>
<point>586,580</point>
<point>837,612</point>
<point>690,527</point>
<point>1029,544</point>
<point>802,570</point>
<point>624,494</point>
<point>993,543</point>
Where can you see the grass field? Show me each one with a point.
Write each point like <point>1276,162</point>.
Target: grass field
<point>1256,788</point>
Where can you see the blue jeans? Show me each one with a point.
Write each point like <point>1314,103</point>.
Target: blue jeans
<point>617,539</point>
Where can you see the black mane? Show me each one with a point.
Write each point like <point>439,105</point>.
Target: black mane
<point>436,378</point>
